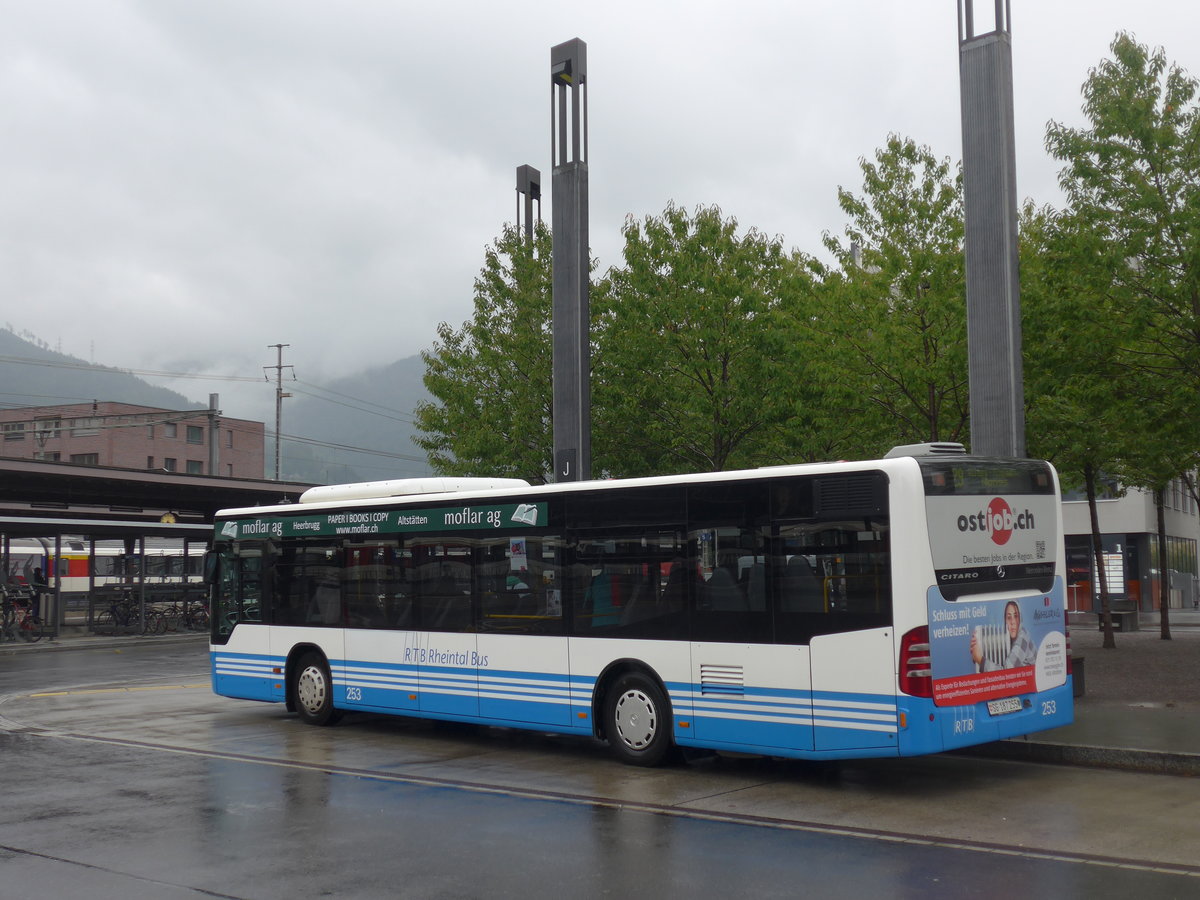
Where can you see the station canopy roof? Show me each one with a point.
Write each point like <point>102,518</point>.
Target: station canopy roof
<point>43,498</point>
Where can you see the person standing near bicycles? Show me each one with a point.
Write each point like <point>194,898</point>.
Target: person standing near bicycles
<point>39,586</point>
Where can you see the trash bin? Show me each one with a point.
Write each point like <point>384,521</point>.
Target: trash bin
<point>1078,683</point>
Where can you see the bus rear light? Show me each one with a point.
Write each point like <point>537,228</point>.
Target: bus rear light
<point>916,665</point>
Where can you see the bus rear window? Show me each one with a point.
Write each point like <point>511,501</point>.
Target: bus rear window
<point>948,478</point>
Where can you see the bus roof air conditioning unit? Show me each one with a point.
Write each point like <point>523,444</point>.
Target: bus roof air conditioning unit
<point>944,448</point>
<point>403,487</point>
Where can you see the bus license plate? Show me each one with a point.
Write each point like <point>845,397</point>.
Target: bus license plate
<point>1002,707</point>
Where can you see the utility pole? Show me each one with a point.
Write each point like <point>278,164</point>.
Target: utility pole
<point>214,428</point>
<point>279,395</point>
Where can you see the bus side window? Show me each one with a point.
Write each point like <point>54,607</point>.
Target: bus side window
<point>631,583</point>
<point>723,593</point>
<point>601,601</point>
<point>801,589</point>
<point>370,585</point>
<point>518,580</point>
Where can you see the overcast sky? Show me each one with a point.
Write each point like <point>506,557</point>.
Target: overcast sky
<point>185,182</point>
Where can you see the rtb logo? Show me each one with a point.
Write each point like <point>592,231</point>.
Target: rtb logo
<point>998,520</point>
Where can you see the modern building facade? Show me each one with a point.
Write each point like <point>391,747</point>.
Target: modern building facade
<point>1129,529</point>
<point>129,436</point>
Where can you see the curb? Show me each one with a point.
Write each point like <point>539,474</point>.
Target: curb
<point>1156,762</point>
<point>61,644</point>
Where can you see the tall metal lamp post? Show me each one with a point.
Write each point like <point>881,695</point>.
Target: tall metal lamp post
<point>572,357</point>
<point>529,190</point>
<point>990,192</point>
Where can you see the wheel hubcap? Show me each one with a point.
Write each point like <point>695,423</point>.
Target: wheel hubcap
<point>636,720</point>
<point>310,689</point>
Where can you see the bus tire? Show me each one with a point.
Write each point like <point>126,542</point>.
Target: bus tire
<point>637,720</point>
<point>313,689</point>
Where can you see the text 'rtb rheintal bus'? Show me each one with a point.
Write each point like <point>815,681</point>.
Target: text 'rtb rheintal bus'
<point>894,607</point>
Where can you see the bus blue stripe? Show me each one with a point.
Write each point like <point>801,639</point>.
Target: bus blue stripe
<point>763,718</point>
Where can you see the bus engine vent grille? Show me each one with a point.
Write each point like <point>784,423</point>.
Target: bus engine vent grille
<point>856,492</point>
<point>722,679</point>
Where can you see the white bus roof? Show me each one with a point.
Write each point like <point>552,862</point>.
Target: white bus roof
<point>332,496</point>
<point>373,493</point>
<point>403,487</point>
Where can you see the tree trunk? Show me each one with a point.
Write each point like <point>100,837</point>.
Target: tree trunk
<point>1089,477</point>
<point>1164,586</point>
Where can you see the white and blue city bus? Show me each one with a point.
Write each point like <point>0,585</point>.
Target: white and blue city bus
<point>895,607</point>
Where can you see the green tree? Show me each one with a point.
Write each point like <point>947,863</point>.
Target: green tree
<point>491,378</point>
<point>1133,176</point>
<point>1165,445</point>
<point>894,308</point>
<point>1076,405</point>
<point>827,416</point>
<point>686,358</point>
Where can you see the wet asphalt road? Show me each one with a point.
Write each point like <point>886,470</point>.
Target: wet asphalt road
<point>217,798</point>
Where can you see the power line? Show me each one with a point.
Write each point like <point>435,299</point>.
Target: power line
<point>370,412</point>
<point>356,404</point>
<point>111,370</point>
<point>392,471</point>
<point>10,405</point>
<point>397,414</point>
<point>335,446</point>
<point>380,409</point>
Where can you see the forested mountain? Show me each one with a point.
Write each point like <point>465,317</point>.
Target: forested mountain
<point>371,411</point>
<point>31,374</point>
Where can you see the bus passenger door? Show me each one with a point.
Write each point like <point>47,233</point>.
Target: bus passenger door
<point>446,652</point>
<point>379,673</point>
<point>524,679</point>
<point>447,681</point>
<point>854,690</point>
<point>381,649</point>
<point>522,664</point>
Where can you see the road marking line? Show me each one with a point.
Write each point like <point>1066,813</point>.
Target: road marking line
<point>120,690</point>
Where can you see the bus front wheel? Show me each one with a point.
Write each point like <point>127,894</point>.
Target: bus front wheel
<point>638,721</point>
<point>313,689</point>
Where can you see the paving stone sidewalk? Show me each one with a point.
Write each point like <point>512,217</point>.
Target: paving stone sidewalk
<point>1142,668</point>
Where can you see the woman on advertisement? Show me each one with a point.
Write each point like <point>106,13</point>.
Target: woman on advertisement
<point>1019,649</point>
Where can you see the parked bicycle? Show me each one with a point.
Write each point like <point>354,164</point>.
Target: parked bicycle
<point>17,622</point>
<point>189,615</point>
<point>124,615</point>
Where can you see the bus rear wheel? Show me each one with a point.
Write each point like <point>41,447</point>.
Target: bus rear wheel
<point>313,689</point>
<point>638,721</point>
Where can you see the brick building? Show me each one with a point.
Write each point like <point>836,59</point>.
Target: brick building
<point>128,436</point>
